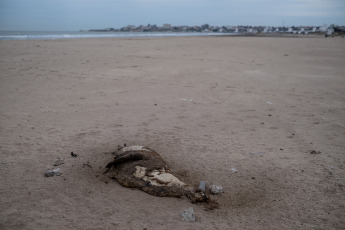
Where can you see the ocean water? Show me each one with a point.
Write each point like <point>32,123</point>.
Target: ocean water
<point>51,35</point>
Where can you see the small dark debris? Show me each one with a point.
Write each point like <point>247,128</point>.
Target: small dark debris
<point>124,144</point>
<point>253,178</point>
<point>74,154</point>
<point>86,165</point>
<point>262,123</point>
<point>270,115</point>
<point>314,152</point>
<point>281,149</point>
<point>106,182</point>
<point>155,104</point>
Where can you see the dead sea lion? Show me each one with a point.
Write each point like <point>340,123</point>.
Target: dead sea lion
<point>143,168</point>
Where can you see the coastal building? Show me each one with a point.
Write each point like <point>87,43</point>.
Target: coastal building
<point>267,29</point>
<point>324,28</point>
<point>330,31</point>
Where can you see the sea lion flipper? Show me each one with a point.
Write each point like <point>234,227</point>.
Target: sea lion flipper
<point>128,156</point>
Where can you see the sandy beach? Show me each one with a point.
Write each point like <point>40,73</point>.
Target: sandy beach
<point>263,117</point>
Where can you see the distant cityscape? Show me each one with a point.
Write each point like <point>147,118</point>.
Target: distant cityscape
<point>206,28</point>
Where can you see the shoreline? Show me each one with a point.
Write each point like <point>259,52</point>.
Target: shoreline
<point>51,35</point>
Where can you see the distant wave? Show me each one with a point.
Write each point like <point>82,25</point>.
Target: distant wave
<point>74,35</point>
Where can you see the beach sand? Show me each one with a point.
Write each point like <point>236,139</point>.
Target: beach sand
<point>206,104</point>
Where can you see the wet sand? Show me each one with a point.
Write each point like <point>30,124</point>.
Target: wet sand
<point>206,104</point>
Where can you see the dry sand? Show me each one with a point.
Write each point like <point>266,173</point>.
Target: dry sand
<point>259,105</point>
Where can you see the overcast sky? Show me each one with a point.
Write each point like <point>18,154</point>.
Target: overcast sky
<point>96,14</point>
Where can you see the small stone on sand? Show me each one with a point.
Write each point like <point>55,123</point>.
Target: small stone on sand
<point>216,189</point>
<point>188,215</point>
